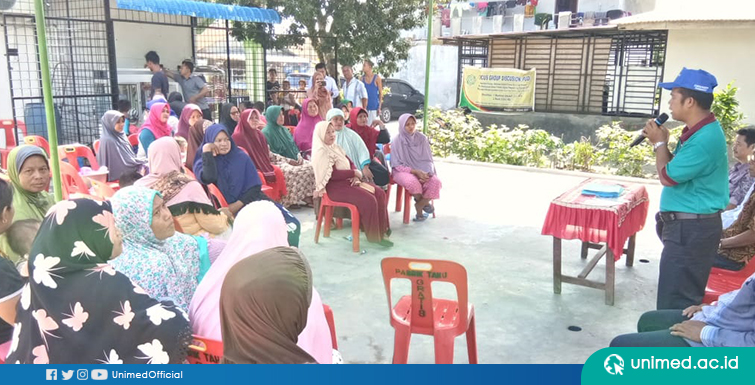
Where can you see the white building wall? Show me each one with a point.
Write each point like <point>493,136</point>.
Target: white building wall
<point>726,53</point>
<point>443,73</point>
<point>133,40</point>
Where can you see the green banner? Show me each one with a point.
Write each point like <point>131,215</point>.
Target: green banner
<point>498,89</point>
<point>670,365</point>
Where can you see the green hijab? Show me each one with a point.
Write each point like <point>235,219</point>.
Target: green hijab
<point>27,205</point>
<point>278,137</point>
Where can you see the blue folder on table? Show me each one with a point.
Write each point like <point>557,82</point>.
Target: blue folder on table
<point>603,190</point>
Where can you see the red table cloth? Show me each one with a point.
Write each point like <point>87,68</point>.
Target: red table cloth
<point>598,220</point>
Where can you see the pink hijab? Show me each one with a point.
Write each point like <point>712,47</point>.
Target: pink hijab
<point>306,127</point>
<point>164,158</point>
<point>158,128</point>
<point>258,227</point>
<point>183,123</point>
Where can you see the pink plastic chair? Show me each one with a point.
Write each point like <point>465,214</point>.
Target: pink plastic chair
<point>422,314</point>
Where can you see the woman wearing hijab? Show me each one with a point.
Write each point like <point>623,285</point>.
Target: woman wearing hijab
<point>29,174</point>
<point>115,150</point>
<point>258,227</point>
<point>264,304</point>
<point>303,134</point>
<point>154,128</point>
<point>11,282</point>
<point>337,175</point>
<point>219,161</point>
<point>78,310</point>
<point>351,143</point>
<point>298,173</point>
<point>165,263</point>
<point>196,136</point>
<point>190,115</point>
<point>184,196</point>
<point>370,136</point>
<point>229,116</point>
<point>413,167</point>
<point>320,94</point>
<point>248,136</point>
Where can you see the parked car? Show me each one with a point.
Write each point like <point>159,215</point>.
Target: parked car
<point>402,99</point>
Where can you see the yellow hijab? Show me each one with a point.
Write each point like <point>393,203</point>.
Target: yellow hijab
<point>325,156</point>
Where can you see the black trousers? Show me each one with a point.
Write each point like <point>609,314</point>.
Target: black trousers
<point>653,331</point>
<point>689,248</point>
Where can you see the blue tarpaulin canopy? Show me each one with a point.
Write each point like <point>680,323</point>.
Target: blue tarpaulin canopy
<point>204,10</point>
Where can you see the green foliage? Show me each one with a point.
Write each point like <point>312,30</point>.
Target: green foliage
<point>452,134</point>
<point>726,108</point>
<point>615,141</point>
<point>369,30</point>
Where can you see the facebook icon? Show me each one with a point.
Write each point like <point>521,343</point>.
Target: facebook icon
<point>52,375</point>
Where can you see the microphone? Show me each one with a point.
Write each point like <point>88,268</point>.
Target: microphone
<point>662,118</point>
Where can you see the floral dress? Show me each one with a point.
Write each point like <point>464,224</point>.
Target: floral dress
<point>76,309</point>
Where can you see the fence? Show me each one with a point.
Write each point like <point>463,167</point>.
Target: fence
<point>605,72</point>
<point>85,65</point>
<point>80,67</point>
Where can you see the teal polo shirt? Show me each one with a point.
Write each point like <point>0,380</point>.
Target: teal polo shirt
<point>698,172</point>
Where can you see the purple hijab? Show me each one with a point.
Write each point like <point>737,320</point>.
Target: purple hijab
<point>306,128</point>
<point>115,151</point>
<point>183,123</point>
<point>411,150</point>
<point>236,171</point>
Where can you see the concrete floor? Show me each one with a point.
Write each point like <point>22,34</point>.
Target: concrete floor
<point>489,220</point>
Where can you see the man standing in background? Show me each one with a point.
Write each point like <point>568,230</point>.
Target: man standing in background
<point>696,190</point>
<point>353,88</point>
<point>374,85</point>
<point>193,87</point>
<point>159,80</point>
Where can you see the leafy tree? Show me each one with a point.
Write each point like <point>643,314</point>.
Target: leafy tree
<point>726,108</point>
<point>361,30</point>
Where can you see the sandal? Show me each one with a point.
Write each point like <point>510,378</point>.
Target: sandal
<point>385,243</point>
<point>419,218</point>
<point>388,233</point>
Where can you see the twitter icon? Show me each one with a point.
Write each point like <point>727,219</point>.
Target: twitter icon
<point>67,375</point>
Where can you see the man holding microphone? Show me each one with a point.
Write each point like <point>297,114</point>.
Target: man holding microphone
<point>696,190</point>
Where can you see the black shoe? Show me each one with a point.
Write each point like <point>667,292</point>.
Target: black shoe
<point>385,243</point>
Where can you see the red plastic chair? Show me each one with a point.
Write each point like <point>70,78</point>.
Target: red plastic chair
<point>133,139</point>
<point>326,213</point>
<point>102,190</point>
<point>215,192</point>
<point>96,146</point>
<point>331,325</point>
<point>73,183</point>
<point>205,351</point>
<point>407,198</point>
<point>8,126</point>
<point>420,313</point>
<point>73,152</point>
<point>721,281</point>
<point>38,141</point>
<point>189,172</point>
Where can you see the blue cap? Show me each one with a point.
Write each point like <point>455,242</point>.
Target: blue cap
<point>696,80</point>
